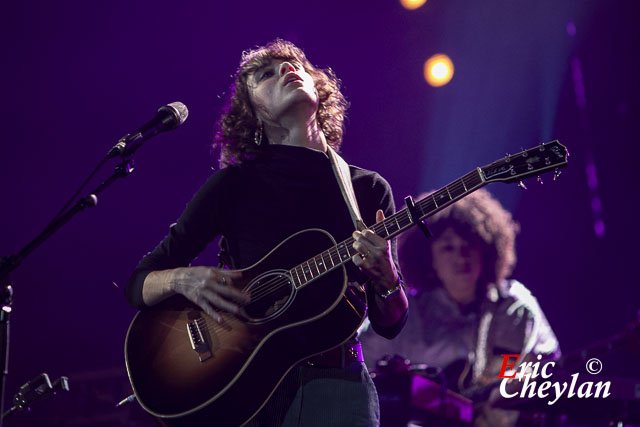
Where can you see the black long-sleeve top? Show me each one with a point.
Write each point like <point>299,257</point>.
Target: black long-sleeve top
<point>257,204</point>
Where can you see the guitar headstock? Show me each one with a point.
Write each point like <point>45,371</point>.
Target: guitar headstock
<point>532,162</point>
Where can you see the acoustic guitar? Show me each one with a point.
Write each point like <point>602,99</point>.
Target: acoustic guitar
<point>186,368</point>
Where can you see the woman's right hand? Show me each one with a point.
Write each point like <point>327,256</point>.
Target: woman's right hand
<point>210,288</point>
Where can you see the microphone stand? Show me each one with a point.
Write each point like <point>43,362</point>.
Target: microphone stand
<point>13,261</point>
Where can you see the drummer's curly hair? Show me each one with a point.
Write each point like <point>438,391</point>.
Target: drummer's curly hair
<point>238,123</point>
<point>478,218</point>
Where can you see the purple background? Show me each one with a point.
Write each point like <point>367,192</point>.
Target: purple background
<point>78,75</point>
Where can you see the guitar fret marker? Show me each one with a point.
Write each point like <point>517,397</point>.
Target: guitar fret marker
<point>308,269</point>
<point>345,248</point>
<point>313,262</point>
<point>402,220</point>
<point>270,285</point>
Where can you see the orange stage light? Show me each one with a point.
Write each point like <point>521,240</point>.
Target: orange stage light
<point>412,4</point>
<point>438,70</point>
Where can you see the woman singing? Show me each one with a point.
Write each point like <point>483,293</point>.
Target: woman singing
<point>283,117</point>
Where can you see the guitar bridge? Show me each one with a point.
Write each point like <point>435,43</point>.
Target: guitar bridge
<point>198,343</point>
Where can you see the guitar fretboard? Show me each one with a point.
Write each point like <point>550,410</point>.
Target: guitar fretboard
<point>339,254</point>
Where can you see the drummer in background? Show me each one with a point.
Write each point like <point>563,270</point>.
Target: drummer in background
<point>465,312</point>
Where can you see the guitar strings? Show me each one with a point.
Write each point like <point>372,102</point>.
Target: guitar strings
<point>214,326</point>
<point>273,285</point>
<point>265,289</point>
<point>269,287</point>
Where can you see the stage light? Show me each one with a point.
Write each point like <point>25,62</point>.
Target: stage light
<point>412,4</point>
<point>438,70</point>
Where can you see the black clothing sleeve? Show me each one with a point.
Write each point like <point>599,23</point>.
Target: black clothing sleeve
<point>257,204</point>
<point>196,227</point>
<point>383,200</point>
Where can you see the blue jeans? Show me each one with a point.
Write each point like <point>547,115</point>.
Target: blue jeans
<point>313,396</point>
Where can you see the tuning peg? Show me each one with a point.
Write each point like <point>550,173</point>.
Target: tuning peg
<point>524,153</point>
<point>521,185</point>
<point>539,180</point>
<point>556,174</point>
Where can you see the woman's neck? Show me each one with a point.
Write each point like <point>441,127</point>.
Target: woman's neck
<point>297,133</point>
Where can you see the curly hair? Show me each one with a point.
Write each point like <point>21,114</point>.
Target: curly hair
<point>238,123</point>
<point>478,218</point>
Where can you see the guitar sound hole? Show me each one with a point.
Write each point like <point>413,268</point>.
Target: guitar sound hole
<point>270,294</point>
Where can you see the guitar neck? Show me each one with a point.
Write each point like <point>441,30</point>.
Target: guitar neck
<point>512,168</point>
<point>435,202</point>
<point>402,220</point>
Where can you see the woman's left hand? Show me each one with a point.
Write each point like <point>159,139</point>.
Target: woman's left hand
<point>374,257</point>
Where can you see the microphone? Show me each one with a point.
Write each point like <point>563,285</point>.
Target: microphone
<point>167,118</point>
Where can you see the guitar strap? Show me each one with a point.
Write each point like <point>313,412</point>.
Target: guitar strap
<point>343,176</point>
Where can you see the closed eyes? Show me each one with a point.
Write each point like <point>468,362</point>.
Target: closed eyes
<point>265,75</point>
<point>269,72</point>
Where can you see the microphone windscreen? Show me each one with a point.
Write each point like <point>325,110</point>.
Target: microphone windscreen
<point>181,109</point>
